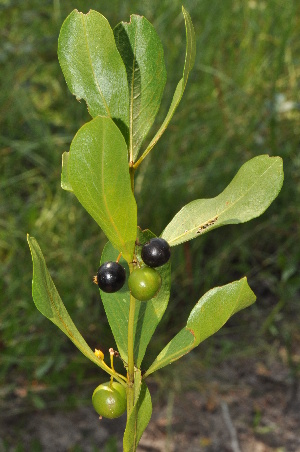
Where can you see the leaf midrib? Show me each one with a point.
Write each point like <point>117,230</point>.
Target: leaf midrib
<point>103,193</point>
<point>132,99</point>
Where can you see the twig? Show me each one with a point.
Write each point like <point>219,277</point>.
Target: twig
<point>232,431</point>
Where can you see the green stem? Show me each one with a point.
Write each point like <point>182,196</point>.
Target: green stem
<point>131,172</point>
<point>130,389</point>
<point>144,155</point>
<point>130,374</point>
<point>118,377</point>
<point>131,339</point>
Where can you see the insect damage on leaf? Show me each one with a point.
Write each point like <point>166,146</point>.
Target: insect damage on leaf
<point>207,224</point>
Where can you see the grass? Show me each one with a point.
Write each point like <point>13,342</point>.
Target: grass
<point>242,100</point>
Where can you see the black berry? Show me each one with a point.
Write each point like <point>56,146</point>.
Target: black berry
<point>111,277</point>
<point>156,252</point>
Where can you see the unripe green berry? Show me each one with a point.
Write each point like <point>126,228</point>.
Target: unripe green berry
<point>144,283</point>
<point>110,400</point>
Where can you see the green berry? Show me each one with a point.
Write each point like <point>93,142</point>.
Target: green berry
<point>109,400</point>
<point>144,283</point>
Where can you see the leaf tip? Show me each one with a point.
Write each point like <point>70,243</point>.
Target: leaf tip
<point>245,281</point>
<point>185,13</point>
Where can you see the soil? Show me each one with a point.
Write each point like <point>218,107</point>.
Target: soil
<point>240,406</point>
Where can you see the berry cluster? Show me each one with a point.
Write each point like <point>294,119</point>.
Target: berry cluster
<point>144,282</point>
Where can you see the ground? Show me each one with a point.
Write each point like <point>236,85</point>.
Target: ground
<point>239,406</point>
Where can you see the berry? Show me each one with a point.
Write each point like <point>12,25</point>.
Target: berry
<point>111,277</point>
<point>109,400</point>
<point>144,283</point>
<point>156,252</point>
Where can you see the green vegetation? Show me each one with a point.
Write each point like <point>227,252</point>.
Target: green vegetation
<point>144,283</point>
<point>242,100</point>
<point>109,399</point>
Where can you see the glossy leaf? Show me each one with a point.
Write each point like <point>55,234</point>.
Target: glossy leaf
<point>49,303</point>
<point>188,65</point>
<point>65,184</point>
<point>147,314</point>
<point>99,175</point>
<point>249,194</point>
<point>138,419</point>
<point>143,56</point>
<point>93,67</point>
<point>210,313</point>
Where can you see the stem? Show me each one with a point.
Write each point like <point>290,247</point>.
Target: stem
<point>143,156</point>
<point>150,146</point>
<point>132,305</point>
<point>99,354</point>
<point>130,376</point>
<point>118,377</point>
<point>112,366</point>
<point>131,172</point>
<point>131,339</point>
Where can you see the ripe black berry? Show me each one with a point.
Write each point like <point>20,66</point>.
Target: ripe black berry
<point>156,252</point>
<point>111,277</point>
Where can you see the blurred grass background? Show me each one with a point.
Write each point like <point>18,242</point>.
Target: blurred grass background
<point>242,100</point>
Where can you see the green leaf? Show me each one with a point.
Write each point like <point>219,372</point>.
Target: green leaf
<point>116,304</point>
<point>99,175</point>
<point>210,313</point>
<point>143,56</point>
<point>49,303</point>
<point>137,384</point>
<point>147,314</point>
<point>248,195</point>
<point>93,67</point>
<point>138,420</point>
<point>65,184</point>
<point>188,65</point>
